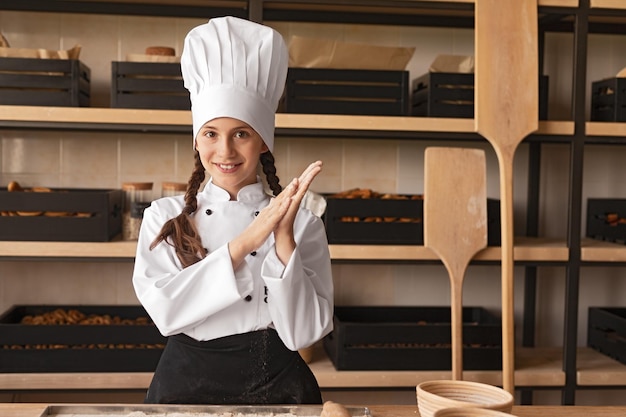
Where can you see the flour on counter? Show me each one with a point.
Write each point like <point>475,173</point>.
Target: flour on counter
<point>174,414</point>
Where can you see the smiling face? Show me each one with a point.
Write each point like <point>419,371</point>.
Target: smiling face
<point>229,150</point>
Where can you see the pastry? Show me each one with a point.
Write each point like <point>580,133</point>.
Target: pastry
<point>14,186</point>
<point>333,409</point>
<point>160,50</point>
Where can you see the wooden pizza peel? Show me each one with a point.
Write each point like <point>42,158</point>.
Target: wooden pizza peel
<point>455,223</point>
<point>506,111</point>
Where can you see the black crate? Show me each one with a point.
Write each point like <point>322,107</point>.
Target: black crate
<point>346,91</point>
<point>79,347</point>
<point>148,85</point>
<point>92,215</point>
<point>608,100</point>
<point>411,338</point>
<point>443,94</point>
<point>44,82</point>
<point>606,219</point>
<point>606,331</point>
<point>379,221</point>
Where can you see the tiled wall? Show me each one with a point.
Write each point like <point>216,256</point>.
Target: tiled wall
<point>90,159</point>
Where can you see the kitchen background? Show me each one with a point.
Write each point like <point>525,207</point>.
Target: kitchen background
<point>105,160</point>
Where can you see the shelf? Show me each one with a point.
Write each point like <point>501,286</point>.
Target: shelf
<point>606,129</point>
<point>536,367</point>
<point>526,250</point>
<point>600,251</point>
<point>457,13</point>
<point>94,119</point>
<point>68,250</point>
<point>168,8</point>
<point>608,4</point>
<point>558,3</point>
<point>596,369</point>
<point>179,121</point>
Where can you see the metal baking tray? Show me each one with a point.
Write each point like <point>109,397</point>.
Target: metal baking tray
<point>166,410</point>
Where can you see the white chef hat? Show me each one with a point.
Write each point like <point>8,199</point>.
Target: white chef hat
<point>235,68</point>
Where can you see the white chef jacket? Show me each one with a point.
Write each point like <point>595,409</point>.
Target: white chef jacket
<point>209,299</point>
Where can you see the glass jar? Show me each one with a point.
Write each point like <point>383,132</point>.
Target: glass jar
<point>170,189</point>
<point>137,196</point>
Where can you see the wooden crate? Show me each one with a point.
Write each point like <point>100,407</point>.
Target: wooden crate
<point>44,82</point>
<point>442,94</point>
<point>79,347</point>
<point>606,331</point>
<point>608,100</point>
<point>379,221</point>
<point>411,338</point>
<point>88,215</point>
<point>148,85</point>
<point>339,91</point>
<point>606,219</point>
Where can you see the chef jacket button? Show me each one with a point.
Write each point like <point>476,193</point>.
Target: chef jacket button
<point>209,212</point>
<point>248,298</point>
<point>256,213</point>
<point>253,253</point>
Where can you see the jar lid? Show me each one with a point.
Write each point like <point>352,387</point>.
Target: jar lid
<point>174,186</point>
<point>137,186</point>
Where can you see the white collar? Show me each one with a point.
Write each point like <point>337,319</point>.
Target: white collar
<point>249,193</point>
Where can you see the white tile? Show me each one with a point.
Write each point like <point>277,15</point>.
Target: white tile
<point>304,151</point>
<point>64,283</point>
<point>138,33</point>
<point>32,30</point>
<point>89,163</point>
<point>31,153</point>
<point>363,285</point>
<point>147,158</point>
<point>370,164</point>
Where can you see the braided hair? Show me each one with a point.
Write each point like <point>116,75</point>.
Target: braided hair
<point>181,232</point>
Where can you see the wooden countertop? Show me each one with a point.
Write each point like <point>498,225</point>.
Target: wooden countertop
<point>38,410</point>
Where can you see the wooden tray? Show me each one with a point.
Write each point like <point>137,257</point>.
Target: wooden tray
<point>192,410</point>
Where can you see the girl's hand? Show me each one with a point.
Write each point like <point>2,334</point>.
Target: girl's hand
<point>285,242</point>
<point>277,217</point>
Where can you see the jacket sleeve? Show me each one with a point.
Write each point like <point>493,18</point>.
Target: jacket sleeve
<point>300,294</point>
<point>169,293</point>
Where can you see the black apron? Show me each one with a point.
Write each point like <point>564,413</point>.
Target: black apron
<point>249,368</point>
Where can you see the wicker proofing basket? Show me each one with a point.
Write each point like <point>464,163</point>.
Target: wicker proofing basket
<point>437,395</point>
<point>470,412</point>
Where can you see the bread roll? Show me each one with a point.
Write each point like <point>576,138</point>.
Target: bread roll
<point>333,409</point>
<point>160,50</point>
<point>14,186</point>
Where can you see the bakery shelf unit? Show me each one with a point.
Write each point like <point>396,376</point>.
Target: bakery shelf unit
<point>566,369</point>
<point>592,16</point>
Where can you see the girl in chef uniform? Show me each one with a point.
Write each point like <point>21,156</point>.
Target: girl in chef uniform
<point>238,280</point>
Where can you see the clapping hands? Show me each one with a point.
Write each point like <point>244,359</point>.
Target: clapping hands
<point>278,217</point>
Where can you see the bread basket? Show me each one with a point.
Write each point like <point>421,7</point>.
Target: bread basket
<point>470,412</point>
<point>437,395</point>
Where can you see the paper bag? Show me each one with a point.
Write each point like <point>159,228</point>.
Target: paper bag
<point>453,63</point>
<point>332,54</point>
<point>40,53</point>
